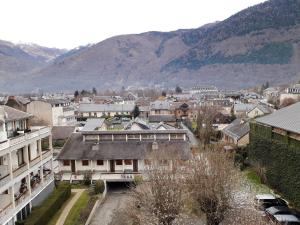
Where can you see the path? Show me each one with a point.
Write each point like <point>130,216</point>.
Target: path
<point>193,140</point>
<point>69,206</point>
<point>104,212</point>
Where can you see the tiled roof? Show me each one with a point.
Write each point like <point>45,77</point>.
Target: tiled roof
<point>237,129</point>
<point>62,132</point>
<point>12,114</point>
<point>287,118</point>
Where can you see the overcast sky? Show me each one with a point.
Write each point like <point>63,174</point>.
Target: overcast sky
<point>70,23</point>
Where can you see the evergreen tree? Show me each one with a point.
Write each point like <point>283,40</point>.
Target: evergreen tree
<point>178,89</point>
<point>136,111</point>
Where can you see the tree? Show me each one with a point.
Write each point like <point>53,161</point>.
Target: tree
<point>287,102</point>
<point>94,91</point>
<point>164,93</point>
<point>205,118</point>
<point>211,180</point>
<point>135,111</point>
<point>76,94</point>
<point>178,90</point>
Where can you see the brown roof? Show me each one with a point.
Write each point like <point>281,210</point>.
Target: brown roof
<point>77,149</point>
<point>12,114</point>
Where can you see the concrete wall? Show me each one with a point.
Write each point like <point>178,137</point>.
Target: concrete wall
<point>42,112</point>
<point>43,195</point>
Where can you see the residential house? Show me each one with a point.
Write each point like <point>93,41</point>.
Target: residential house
<point>236,133</point>
<point>259,110</point>
<point>119,155</point>
<point>241,109</point>
<point>18,102</point>
<point>26,174</point>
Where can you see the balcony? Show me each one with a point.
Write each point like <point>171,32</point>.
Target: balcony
<point>35,182</point>
<point>4,175</point>
<point>46,154</point>
<point>34,161</point>
<point>5,205</point>
<point>22,195</point>
<point>21,169</point>
<point>34,132</point>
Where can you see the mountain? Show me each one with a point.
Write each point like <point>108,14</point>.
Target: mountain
<point>258,44</point>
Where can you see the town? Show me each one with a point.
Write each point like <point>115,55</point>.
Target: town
<point>54,147</point>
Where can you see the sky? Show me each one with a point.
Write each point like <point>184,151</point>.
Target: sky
<point>72,23</point>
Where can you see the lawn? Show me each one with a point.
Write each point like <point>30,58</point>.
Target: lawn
<point>81,210</point>
<point>56,216</point>
<point>255,181</point>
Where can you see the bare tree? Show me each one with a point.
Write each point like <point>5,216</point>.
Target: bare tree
<point>205,118</point>
<point>211,181</point>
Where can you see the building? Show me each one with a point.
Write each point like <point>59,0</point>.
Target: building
<point>259,110</point>
<point>118,156</point>
<point>52,112</point>
<point>26,174</point>
<point>91,110</point>
<point>203,89</point>
<point>236,133</point>
<point>283,124</point>
<point>18,102</point>
<point>292,92</point>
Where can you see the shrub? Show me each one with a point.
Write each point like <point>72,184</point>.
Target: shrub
<point>99,187</point>
<point>87,178</point>
<point>43,213</point>
<point>138,179</point>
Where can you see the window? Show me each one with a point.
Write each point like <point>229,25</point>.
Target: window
<point>119,162</point>
<point>128,162</point>
<point>147,162</point>
<point>20,156</point>
<point>66,162</point>
<point>100,163</point>
<point>85,162</point>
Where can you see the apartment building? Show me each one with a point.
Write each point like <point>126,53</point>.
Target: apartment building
<point>118,156</point>
<point>26,174</point>
<point>52,112</point>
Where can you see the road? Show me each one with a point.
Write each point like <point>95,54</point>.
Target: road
<point>114,201</point>
<point>193,140</point>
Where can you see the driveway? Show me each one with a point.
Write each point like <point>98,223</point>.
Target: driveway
<point>114,201</point>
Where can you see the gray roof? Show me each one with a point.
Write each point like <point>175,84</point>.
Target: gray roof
<point>56,101</point>
<point>62,132</point>
<point>161,118</point>
<point>287,118</point>
<point>12,114</point>
<point>237,129</point>
<point>76,149</point>
<point>93,123</point>
<point>90,107</point>
<point>243,107</point>
<point>162,105</point>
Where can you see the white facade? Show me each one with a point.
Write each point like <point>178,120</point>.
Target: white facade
<point>25,171</point>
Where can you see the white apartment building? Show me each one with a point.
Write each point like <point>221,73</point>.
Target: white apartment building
<point>26,171</point>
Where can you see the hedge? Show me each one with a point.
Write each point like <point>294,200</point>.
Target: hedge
<point>280,157</point>
<point>43,213</point>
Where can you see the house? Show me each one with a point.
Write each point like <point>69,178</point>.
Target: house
<point>18,102</point>
<point>236,133</point>
<point>203,89</point>
<point>118,156</point>
<point>60,135</point>
<point>241,109</point>
<point>160,107</point>
<point>292,92</point>
<point>52,112</point>
<point>283,124</point>
<point>259,110</point>
<point>91,110</point>
<point>26,170</point>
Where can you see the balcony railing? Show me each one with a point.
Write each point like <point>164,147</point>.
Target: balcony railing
<point>21,169</point>
<point>19,198</point>
<point>35,132</point>
<point>4,179</point>
<point>34,161</point>
<point>46,154</point>
<point>5,205</point>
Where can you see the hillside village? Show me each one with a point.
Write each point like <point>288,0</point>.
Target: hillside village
<point>85,137</point>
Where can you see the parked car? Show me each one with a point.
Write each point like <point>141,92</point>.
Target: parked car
<point>265,201</point>
<point>278,210</point>
<point>286,219</point>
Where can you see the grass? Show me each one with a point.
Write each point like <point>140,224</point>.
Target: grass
<point>256,182</point>
<point>79,186</point>
<point>81,210</point>
<point>57,215</point>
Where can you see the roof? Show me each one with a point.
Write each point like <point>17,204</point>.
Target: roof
<point>237,129</point>
<point>162,118</point>
<point>276,209</point>
<point>142,124</point>
<point>90,107</point>
<point>287,118</point>
<point>62,132</point>
<point>56,101</point>
<point>93,124</point>
<point>243,107</point>
<point>162,105</point>
<point>76,149</point>
<point>12,114</point>
<point>263,108</point>
<point>19,99</point>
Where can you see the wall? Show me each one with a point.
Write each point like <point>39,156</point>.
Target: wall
<point>42,112</point>
<point>56,113</point>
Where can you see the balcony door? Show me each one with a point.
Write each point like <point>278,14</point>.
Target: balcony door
<point>112,166</point>
<point>73,169</point>
<point>135,165</point>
